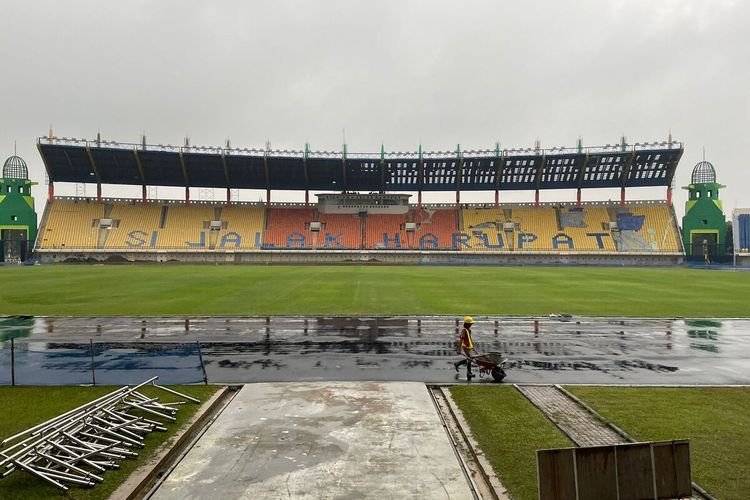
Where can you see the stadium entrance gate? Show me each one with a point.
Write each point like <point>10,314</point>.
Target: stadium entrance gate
<point>14,245</point>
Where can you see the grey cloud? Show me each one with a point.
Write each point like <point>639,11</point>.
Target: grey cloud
<point>402,72</point>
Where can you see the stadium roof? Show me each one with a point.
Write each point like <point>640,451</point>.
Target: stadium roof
<point>106,162</point>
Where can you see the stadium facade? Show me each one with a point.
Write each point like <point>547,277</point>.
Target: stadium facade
<point>366,216</point>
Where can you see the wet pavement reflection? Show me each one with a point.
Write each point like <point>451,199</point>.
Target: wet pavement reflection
<point>258,349</point>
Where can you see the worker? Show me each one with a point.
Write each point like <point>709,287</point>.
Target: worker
<point>465,347</point>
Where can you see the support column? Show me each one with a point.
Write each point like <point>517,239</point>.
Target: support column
<point>187,195</point>
<point>578,198</point>
<point>622,197</point>
<point>144,193</point>
<point>497,199</point>
<point>458,199</point>
<point>51,192</point>
<point>307,198</point>
<point>99,193</point>
<point>229,197</point>
<point>536,198</point>
<point>268,198</point>
<point>419,200</point>
<point>669,196</point>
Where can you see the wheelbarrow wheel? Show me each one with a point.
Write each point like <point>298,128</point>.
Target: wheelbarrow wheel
<point>498,374</point>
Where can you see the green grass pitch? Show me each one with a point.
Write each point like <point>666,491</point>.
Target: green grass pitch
<point>509,429</point>
<point>370,290</point>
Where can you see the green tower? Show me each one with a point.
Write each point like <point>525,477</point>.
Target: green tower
<point>17,214</point>
<point>704,227</point>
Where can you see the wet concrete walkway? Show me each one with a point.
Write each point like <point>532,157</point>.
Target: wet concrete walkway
<point>322,440</point>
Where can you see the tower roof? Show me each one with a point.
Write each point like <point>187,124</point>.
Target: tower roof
<point>15,168</point>
<point>703,173</point>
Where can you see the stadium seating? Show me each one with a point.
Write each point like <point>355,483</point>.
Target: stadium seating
<point>586,228</point>
<point>340,231</point>
<point>435,227</point>
<point>71,225</point>
<point>244,227</point>
<point>654,230</point>
<point>184,227</point>
<point>636,227</point>
<point>386,231</point>
<point>568,228</point>
<point>288,228</point>
<point>482,230</point>
<point>134,225</point>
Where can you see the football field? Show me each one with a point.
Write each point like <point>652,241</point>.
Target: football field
<point>361,290</point>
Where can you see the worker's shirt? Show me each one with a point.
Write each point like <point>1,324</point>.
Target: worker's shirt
<point>466,341</point>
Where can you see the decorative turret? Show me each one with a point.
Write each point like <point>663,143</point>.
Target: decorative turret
<point>17,216</point>
<point>704,225</point>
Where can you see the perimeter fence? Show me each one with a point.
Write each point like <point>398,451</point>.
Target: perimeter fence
<point>99,363</point>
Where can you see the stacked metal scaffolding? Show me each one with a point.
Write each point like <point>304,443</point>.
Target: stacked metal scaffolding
<point>75,448</point>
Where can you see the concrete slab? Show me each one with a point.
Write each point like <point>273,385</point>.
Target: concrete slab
<point>322,440</point>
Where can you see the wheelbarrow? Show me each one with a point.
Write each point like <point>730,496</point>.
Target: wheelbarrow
<point>490,363</point>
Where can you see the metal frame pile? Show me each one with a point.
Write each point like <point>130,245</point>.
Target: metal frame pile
<point>76,447</point>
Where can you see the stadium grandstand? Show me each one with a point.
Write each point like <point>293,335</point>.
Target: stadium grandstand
<point>366,213</point>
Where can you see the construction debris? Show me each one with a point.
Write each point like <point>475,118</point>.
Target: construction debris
<point>77,447</point>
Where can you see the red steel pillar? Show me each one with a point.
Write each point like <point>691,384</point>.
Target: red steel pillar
<point>669,196</point>
<point>419,200</point>
<point>622,197</point>
<point>458,199</point>
<point>144,193</point>
<point>536,198</point>
<point>51,192</point>
<point>578,198</point>
<point>497,199</point>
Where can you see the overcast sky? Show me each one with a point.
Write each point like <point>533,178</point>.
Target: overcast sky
<point>400,72</point>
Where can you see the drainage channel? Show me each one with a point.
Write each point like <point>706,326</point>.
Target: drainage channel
<point>476,473</point>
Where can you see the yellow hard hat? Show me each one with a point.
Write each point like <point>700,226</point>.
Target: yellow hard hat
<point>469,320</point>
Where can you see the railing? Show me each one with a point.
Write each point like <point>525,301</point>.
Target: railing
<point>309,249</point>
<point>450,205</point>
<point>388,156</point>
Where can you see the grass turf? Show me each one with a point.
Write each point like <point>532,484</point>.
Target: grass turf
<point>23,407</point>
<point>370,290</point>
<point>716,420</point>
<point>508,430</point>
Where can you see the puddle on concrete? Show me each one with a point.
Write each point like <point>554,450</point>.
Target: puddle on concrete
<point>244,349</point>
